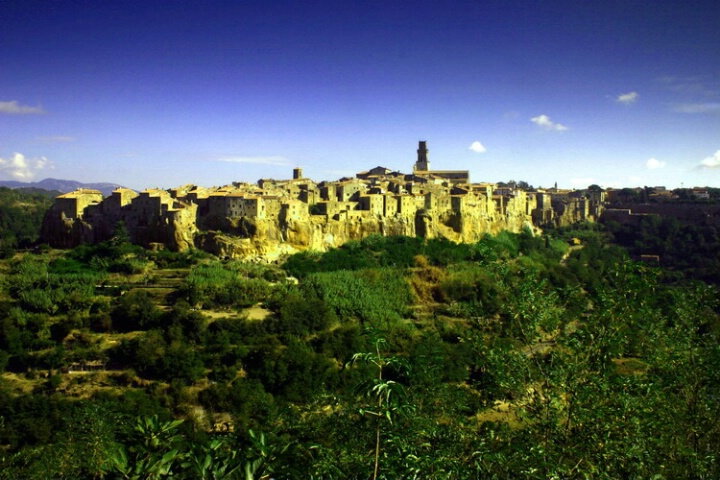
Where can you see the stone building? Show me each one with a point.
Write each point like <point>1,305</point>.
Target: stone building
<point>73,204</point>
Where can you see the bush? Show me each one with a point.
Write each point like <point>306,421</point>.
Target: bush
<point>473,286</point>
<point>58,287</point>
<point>217,285</point>
<point>135,311</point>
<point>293,372</point>
<point>376,296</point>
<point>376,251</point>
<point>190,324</point>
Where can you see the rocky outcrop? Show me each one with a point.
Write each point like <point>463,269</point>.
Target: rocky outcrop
<point>232,247</point>
<point>62,232</point>
<point>571,211</point>
<point>270,240</point>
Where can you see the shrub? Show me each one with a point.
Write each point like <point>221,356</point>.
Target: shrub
<point>217,285</point>
<point>375,296</point>
<point>135,311</point>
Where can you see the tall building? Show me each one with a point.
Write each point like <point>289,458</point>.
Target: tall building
<point>422,164</point>
<point>421,169</point>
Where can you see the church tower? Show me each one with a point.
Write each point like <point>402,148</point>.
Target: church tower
<point>422,164</point>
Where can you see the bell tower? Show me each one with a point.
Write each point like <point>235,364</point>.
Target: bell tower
<point>422,164</point>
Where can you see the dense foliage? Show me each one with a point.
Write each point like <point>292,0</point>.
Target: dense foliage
<point>519,356</point>
<point>21,215</point>
<point>686,248</point>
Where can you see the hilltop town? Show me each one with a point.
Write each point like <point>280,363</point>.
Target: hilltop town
<point>275,217</point>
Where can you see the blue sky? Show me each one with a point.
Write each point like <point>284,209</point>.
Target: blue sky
<point>160,94</point>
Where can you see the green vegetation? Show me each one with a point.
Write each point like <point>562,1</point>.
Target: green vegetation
<point>21,215</point>
<point>216,285</point>
<point>687,249</point>
<point>519,356</point>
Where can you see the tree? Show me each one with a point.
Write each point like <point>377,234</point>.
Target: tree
<point>135,311</point>
<point>121,235</point>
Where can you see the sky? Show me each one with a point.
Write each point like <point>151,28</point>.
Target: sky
<point>618,93</point>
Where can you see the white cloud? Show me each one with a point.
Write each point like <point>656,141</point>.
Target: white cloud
<point>703,85</point>
<point>14,108</point>
<point>24,169</point>
<point>654,164</point>
<point>545,122</point>
<point>628,98</point>
<point>477,147</point>
<point>708,107</point>
<point>711,162</point>
<point>278,161</point>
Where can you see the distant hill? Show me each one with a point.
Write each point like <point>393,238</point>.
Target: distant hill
<point>36,191</point>
<point>63,186</point>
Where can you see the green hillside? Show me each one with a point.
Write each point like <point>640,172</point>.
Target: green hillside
<point>516,357</point>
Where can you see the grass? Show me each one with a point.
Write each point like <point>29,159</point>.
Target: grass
<point>19,384</point>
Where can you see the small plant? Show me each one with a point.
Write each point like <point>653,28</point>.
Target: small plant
<point>387,398</point>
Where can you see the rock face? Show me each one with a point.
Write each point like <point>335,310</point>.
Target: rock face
<point>62,232</point>
<point>568,213</point>
<point>272,240</point>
